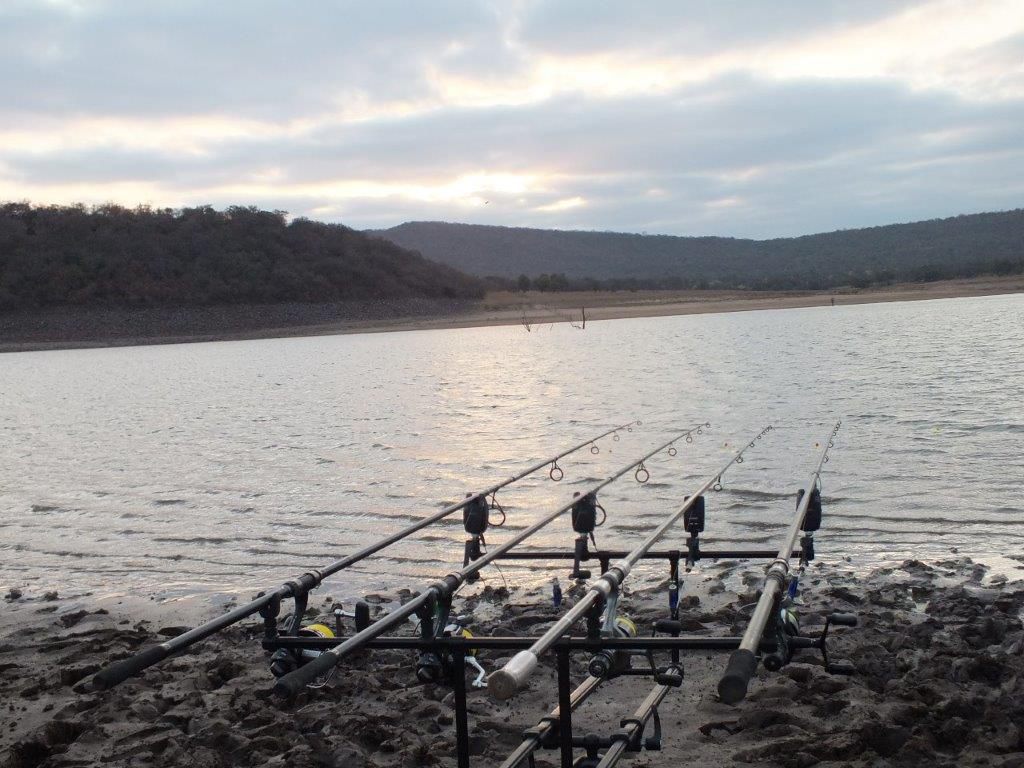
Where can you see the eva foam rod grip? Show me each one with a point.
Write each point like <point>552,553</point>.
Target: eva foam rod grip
<point>120,671</point>
<point>732,688</point>
<point>292,684</point>
<point>505,683</point>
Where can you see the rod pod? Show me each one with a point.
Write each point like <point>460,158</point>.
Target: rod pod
<point>268,604</point>
<point>438,595</point>
<point>504,683</point>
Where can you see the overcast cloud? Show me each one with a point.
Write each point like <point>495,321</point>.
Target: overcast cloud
<point>748,119</point>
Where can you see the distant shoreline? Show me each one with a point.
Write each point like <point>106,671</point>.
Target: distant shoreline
<point>29,333</point>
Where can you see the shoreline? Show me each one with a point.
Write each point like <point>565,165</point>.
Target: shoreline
<point>939,655</point>
<point>532,308</point>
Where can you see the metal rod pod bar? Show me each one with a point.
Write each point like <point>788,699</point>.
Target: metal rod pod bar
<point>504,683</point>
<point>291,684</point>
<point>119,671</point>
<point>732,687</point>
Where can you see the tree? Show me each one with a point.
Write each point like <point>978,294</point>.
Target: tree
<point>523,283</point>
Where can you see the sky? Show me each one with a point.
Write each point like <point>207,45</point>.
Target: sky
<point>746,119</point>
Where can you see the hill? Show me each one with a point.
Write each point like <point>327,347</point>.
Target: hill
<point>963,246</point>
<point>108,256</point>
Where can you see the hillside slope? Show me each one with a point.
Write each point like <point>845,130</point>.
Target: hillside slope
<point>959,246</point>
<point>116,257</point>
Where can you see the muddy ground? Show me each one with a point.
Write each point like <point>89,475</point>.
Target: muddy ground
<point>940,681</point>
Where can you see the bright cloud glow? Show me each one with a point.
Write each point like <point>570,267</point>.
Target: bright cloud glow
<point>683,118</point>
<point>566,204</point>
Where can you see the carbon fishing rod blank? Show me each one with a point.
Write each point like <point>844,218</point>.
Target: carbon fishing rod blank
<point>504,683</point>
<point>267,604</point>
<point>773,618</point>
<point>612,643</point>
<point>435,601</point>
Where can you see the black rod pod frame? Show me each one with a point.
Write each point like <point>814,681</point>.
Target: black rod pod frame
<point>267,604</point>
<point>439,593</point>
<point>555,732</point>
<point>504,683</point>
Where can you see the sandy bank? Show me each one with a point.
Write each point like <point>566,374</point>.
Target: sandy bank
<point>128,328</point>
<point>939,654</point>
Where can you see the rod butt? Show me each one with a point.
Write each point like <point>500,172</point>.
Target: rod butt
<point>732,688</point>
<point>506,682</point>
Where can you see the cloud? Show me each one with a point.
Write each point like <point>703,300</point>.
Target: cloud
<point>685,118</point>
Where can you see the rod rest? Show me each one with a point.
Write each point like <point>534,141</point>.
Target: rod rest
<point>672,677</point>
<point>668,627</point>
<point>305,582</point>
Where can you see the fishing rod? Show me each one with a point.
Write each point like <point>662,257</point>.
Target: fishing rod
<point>630,734</point>
<point>268,603</point>
<point>435,601</point>
<point>535,737</point>
<point>770,613</point>
<point>505,682</point>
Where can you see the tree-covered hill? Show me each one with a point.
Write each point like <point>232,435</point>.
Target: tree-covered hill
<point>957,247</point>
<point>116,257</point>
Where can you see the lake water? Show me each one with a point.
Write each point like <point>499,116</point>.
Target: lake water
<point>222,467</point>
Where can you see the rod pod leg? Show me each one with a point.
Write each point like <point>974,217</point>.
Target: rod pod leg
<point>564,708</point>
<point>461,713</point>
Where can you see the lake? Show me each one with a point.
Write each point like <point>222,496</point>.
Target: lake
<point>221,467</point>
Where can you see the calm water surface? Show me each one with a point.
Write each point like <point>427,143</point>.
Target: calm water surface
<point>211,468</point>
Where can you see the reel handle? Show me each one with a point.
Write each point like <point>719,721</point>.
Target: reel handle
<point>843,619</point>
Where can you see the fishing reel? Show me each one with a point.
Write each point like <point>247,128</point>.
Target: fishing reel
<point>610,663</point>
<point>584,521</point>
<point>285,660</point>
<point>607,663</point>
<point>784,630</point>
<point>434,668</point>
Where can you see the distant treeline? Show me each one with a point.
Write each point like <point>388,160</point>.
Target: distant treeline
<point>963,246</point>
<point>119,257</point>
<point>868,278</point>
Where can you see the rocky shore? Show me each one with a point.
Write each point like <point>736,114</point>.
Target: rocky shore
<point>939,655</point>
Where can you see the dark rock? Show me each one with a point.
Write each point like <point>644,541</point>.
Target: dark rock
<point>799,673</point>
<point>762,718</point>
<point>837,746</point>
<point>827,685</point>
<point>71,619</point>
<point>800,760</point>
<point>172,631</point>
<point>884,739</point>
<point>530,619</point>
<point>987,669</point>
<point>831,706</point>
<point>71,675</point>
<point>728,726</point>
<point>952,732</point>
